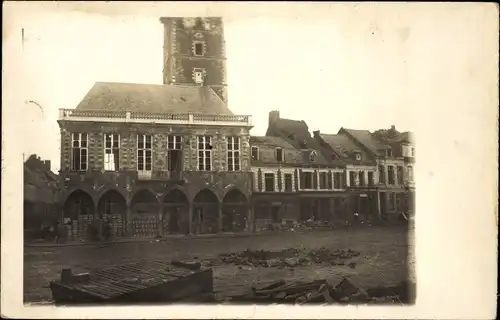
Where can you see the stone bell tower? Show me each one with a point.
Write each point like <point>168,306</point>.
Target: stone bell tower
<point>194,53</point>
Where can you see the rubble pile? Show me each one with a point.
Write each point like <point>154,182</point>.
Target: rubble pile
<point>289,257</point>
<point>320,291</point>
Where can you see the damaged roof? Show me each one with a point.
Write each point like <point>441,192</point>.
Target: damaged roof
<point>270,141</point>
<point>345,148</point>
<point>133,97</point>
<point>39,185</point>
<point>366,138</point>
<point>292,129</point>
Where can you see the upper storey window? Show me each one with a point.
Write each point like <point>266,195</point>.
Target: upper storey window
<point>233,154</point>
<point>111,152</point>
<point>204,153</point>
<point>144,152</point>
<point>79,152</point>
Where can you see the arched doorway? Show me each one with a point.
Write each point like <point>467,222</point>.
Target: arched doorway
<point>206,212</point>
<point>144,214</point>
<point>175,213</point>
<point>234,211</point>
<point>78,214</point>
<point>112,208</point>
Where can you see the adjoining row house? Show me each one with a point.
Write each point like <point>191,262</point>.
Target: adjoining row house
<point>41,187</point>
<point>329,176</point>
<point>159,160</point>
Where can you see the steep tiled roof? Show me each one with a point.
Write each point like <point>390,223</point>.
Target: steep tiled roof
<point>270,141</point>
<point>152,98</point>
<point>366,138</point>
<point>292,129</point>
<point>344,147</point>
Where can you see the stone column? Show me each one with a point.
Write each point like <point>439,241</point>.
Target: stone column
<point>378,209</point>
<point>190,217</point>
<point>160,220</point>
<point>219,215</point>
<point>128,221</point>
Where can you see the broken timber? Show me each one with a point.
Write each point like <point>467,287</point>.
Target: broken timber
<point>140,282</point>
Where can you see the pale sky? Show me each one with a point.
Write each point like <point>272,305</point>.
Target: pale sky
<point>361,67</point>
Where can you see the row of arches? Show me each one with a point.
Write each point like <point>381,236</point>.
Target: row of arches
<point>149,217</point>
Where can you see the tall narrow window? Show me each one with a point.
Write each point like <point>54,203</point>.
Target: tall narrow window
<point>255,153</point>
<point>279,154</point>
<point>269,182</point>
<point>307,179</point>
<point>79,152</point>
<point>381,174</point>
<point>204,153</point>
<point>361,178</point>
<point>352,178</point>
<point>371,179</point>
<point>337,180</point>
<point>174,153</point>
<point>111,152</point>
<point>288,182</point>
<point>390,173</point>
<point>410,173</point>
<point>400,175</point>
<point>323,180</point>
<point>233,153</point>
<point>144,152</point>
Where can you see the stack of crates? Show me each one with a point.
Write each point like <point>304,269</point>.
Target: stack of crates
<point>74,230</point>
<point>145,225</point>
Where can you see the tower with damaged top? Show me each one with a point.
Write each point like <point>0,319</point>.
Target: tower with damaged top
<point>194,53</point>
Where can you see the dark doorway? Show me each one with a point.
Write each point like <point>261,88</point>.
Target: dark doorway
<point>175,213</point>
<point>235,210</point>
<point>206,212</point>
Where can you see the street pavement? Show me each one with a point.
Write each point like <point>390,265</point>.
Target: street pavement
<point>384,258</point>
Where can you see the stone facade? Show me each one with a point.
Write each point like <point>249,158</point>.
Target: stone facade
<point>126,180</point>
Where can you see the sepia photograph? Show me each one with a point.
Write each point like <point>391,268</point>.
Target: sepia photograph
<point>212,159</point>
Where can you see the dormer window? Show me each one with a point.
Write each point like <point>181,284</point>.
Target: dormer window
<point>358,156</point>
<point>334,157</point>
<point>279,155</point>
<point>312,156</point>
<point>388,153</point>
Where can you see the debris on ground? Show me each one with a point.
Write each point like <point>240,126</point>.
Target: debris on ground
<point>320,291</point>
<point>287,258</point>
<point>143,281</point>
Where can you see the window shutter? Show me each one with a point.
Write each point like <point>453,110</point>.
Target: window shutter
<point>315,179</point>
<point>330,179</point>
<point>296,179</point>
<point>280,182</point>
<point>301,179</point>
<point>259,180</point>
<point>344,179</point>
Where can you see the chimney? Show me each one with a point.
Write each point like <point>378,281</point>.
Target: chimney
<point>393,128</point>
<point>273,116</point>
<point>47,165</point>
<point>316,133</point>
